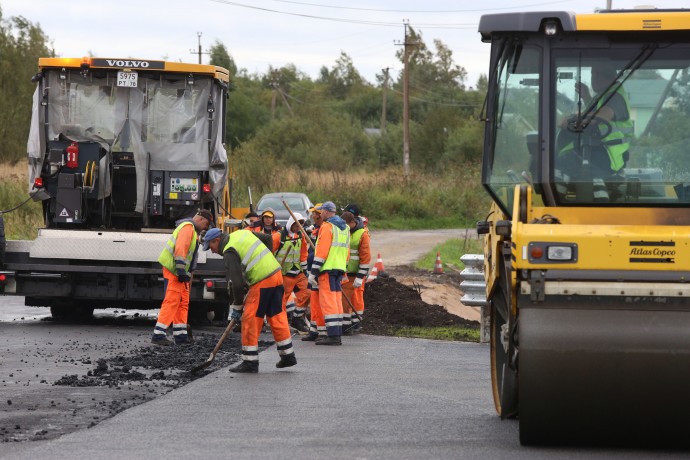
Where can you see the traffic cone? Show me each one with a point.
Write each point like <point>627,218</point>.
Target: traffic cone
<point>379,265</point>
<point>373,274</point>
<point>438,268</point>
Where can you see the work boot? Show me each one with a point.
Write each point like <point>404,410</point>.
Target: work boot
<point>329,340</point>
<point>309,338</point>
<point>286,361</point>
<point>184,340</point>
<point>160,340</point>
<point>246,367</point>
<point>299,324</point>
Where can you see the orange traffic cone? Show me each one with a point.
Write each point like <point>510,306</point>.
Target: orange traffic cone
<point>379,264</point>
<point>373,274</point>
<point>438,268</point>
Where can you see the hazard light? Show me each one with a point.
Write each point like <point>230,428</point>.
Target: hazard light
<point>209,284</point>
<point>38,182</point>
<point>207,188</point>
<point>2,277</point>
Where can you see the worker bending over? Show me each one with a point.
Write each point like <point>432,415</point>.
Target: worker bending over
<point>247,257</point>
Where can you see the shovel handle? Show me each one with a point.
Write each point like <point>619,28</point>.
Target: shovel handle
<point>227,330</point>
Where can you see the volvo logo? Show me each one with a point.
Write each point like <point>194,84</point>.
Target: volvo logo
<point>128,64</point>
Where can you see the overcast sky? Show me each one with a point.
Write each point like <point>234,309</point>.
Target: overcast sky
<point>259,33</point>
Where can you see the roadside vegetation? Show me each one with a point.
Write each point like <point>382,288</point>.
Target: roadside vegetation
<point>452,333</point>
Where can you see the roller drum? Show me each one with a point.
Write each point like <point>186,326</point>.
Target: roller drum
<point>596,371</point>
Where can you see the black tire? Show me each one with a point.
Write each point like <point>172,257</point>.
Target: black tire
<point>2,242</point>
<point>504,379</point>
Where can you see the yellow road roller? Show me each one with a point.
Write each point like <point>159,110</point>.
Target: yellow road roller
<point>587,244</point>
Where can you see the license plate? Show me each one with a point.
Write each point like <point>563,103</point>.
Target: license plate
<point>127,79</point>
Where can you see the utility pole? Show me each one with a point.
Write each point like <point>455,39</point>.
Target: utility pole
<point>199,52</point>
<point>385,100</point>
<point>608,4</point>
<point>406,105</point>
<point>273,100</point>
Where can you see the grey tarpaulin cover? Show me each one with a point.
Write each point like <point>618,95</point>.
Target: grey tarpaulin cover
<point>166,119</point>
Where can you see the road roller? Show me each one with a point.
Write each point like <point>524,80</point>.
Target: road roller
<point>587,242</point>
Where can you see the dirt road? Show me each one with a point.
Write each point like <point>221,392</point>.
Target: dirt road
<point>403,247</point>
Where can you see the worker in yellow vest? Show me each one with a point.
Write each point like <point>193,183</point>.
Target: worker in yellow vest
<point>178,259</point>
<point>357,271</point>
<point>327,270</point>
<point>252,268</point>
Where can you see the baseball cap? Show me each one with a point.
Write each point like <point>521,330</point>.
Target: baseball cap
<point>212,234</point>
<point>315,208</point>
<point>327,206</point>
<point>268,212</point>
<point>353,208</point>
<point>206,214</point>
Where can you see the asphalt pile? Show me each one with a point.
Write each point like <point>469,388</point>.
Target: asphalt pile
<point>164,366</point>
<point>390,305</point>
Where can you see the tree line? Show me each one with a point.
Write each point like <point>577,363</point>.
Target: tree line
<point>286,118</point>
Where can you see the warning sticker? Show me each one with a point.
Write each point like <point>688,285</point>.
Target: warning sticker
<point>64,213</point>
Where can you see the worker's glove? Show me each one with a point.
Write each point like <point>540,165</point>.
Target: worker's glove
<point>183,276</point>
<point>358,282</point>
<point>313,282</point>
<point>236,312</point>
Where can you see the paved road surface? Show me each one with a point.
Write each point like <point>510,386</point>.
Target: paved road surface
<point>374,397</point>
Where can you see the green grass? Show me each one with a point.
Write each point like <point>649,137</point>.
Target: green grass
<point>411,223</point>
<point>451,251</point>
<point>22,223</point>
<point>452,333</point>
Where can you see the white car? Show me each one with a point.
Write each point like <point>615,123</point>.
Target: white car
<point>298,202</point>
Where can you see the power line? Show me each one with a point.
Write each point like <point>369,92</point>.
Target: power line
<point>350,21</point>
<point>516,7</point>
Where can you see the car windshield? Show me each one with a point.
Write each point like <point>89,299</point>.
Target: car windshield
<point>276,203</point>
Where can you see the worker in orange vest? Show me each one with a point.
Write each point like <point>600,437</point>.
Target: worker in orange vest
<point>316,315</point>
<point>357,271</point>
<point>269,226</point>
<point>178,259</point>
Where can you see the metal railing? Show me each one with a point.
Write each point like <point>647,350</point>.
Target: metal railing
<point>473,286</point>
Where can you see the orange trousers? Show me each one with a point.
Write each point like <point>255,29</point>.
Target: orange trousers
<point>174,308</point>
<point>356,296</point>
<point>265,300</point>
<point>298,285</point>
<point>330,302</point>
<point>317,323</point>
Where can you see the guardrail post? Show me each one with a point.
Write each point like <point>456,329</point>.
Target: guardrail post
<point>473,286</point>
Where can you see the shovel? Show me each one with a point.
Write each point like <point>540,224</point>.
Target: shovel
<point>210,359</point>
